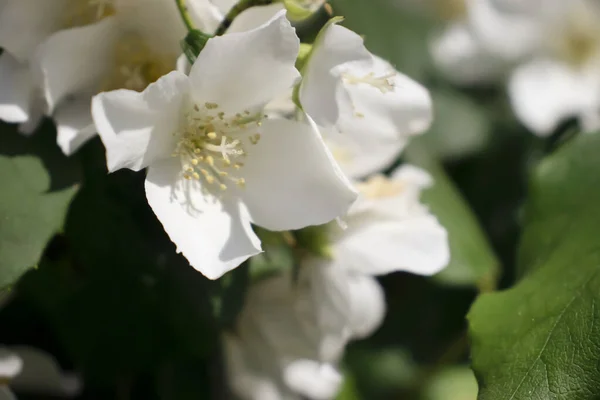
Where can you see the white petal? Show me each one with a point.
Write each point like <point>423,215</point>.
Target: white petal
<point>244,70</point>
<point>404,109</point>
<point>157,22</point>
<point>42,374</point>
<point>74,124</point>
<point>215,236</point>
<point>137,128</point>
<point>205,15</point>
<point>15,90</point>
<point>462,59</point>
<point>314,380</point>
<point>504,31</point>
<point>367,305</point>
<point>418,245</point>
<point>393,232</point>
<point>242,373</point>
<point>26,23</point>
<point>11,364</point>
<point>320,86</point>
<point>254,17</point>
<point>63,73</point>
<point>291,178</point>
<point>545,92</point>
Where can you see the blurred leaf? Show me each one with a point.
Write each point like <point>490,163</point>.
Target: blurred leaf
<point>452,383</point>
<point>349,391</point>
<point>30,214</point>
<point>277,255</point>
<point>472,259</point>
<point>460,126</point>
<point>390,32</point>
<point>540,339</point>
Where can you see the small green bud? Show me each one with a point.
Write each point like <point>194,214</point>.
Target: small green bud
<point>315,239</point>
<point>193,44</point>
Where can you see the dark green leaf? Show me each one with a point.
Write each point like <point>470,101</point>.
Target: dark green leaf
<point>34,201</point>
<point>541,338</point>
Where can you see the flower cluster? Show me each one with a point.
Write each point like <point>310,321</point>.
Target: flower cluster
<point>259,130</point>
<point>548,51</point>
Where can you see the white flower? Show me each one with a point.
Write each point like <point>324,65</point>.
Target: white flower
<point>122,44</point>
<point>346,89</point>
<point>388,229</point>
<point>562,77</point>
<point>216,164</point>
<point>291,335</point>
<point>24,24</point>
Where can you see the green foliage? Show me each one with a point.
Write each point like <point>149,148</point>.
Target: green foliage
<point>30,210</point>
<point>472,260</point>
<point>540,339</point>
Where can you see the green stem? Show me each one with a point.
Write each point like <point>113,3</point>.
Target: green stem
<point>241,6</point>
<point>185,16</point>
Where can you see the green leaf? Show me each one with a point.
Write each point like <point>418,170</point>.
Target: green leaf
<point>30,213</point>
<point>541,338</point>
<point>472,259</point>
<point>452,383</point>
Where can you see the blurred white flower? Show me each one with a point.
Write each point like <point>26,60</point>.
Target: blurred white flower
<point>216,164</point>
<point>347,89</point>
<point>457,49</point>
<point>129,44</point>
<point>291,335</point>
<point>561,78</point>
<point>24,24</point>
<point>33,371</point>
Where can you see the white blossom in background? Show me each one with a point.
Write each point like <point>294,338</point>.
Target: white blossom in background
<point>216,164</point>
<point>129,44</point>
<point>24,24</point>
<point>367,109</point>
<point>33,371</point>
<point>388,229</point>
<point>291,335</point>
<point>561,78</point>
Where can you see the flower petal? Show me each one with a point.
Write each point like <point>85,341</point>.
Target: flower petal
<point>292,180</point>
<point>15,90</point>
<point>545,92</point>
<point>313,379</point>
<point>24,24</point>
<point>74,124</point>
<point>215,236</point>
<point>462,59</point>
<point>367,305</point>
<point>64,74</point>
<point>11,364</point>
<point>254,17</point>
<point>244,70</point>
<point>137,128</point>
<point>320,86</point>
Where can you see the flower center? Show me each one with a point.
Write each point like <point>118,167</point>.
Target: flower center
<point>580,40</point>
<point>383,83</point>
<point>85,12</point>
<point>378,187</point>
<point>450,10</point>
<point>136,65</point>
<point>211,144</point>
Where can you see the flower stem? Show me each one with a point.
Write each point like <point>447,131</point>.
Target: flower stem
<point>185,16</point>
<point>237,10</point>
